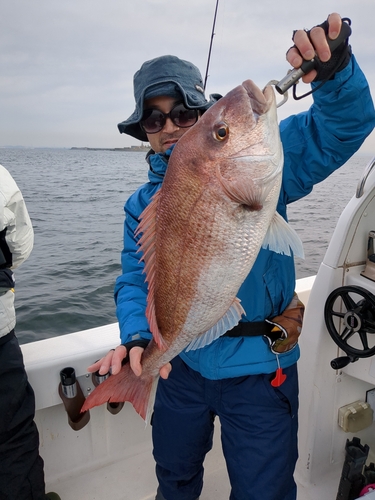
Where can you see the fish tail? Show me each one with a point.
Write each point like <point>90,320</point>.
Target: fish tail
<point>125,386</point>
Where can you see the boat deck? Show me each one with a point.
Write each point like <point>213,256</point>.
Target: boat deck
<point>130,476</point>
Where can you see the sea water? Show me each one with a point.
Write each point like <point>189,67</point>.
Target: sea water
<point>75,199</point>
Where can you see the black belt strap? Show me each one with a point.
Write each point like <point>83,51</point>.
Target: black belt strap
<point>6,337</point>
<point>250,329</point>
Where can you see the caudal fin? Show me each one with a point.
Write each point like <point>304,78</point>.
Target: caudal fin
<point>125,386</point>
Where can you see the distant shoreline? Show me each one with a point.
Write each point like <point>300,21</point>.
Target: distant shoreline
<point>131,148</point>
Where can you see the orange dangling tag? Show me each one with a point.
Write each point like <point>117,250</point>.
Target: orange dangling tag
<point>279,379</point>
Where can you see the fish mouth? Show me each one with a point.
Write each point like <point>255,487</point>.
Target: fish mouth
<point>260,101</point>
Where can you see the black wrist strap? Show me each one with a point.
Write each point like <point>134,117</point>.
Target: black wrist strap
<point>133,343</point>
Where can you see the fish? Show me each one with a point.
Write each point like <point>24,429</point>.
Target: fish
<point>201,233</point>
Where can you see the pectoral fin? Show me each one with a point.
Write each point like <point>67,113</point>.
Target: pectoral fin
<point>281,238</point>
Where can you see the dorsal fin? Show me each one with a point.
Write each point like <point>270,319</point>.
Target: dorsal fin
<point>146,242</point>
<point>227,322</point>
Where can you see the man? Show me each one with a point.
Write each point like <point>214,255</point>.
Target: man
<point>21,467</point>
<point>250,384</point>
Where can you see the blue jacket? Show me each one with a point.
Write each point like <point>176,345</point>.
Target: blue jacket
<point>315,143</point>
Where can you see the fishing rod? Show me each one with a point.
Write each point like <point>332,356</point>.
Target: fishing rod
<point>211,42</point>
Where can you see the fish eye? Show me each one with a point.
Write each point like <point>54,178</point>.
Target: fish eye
<point>221,131</point>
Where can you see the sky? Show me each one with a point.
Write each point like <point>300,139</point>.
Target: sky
<point>67,66</point>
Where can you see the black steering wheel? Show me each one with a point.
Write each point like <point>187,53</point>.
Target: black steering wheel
<point>355,307</point>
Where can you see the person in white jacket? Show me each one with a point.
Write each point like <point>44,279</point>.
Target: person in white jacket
<point>21,466</point>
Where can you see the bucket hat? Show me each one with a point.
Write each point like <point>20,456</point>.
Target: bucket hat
<point>165,75</point>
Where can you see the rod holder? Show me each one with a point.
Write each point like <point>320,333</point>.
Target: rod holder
<point>114,408</point>
<point>73,398</point>
<point>97,379</point>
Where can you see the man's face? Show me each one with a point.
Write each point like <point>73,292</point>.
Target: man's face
<point>170,133</point>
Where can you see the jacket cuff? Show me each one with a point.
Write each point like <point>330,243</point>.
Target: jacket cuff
<point>339,79</point>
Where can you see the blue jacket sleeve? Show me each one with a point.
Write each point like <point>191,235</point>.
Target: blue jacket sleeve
<point>322,139</point>
<point>131,287</point>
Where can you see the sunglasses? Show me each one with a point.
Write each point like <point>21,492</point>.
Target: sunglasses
<point>153,120</point>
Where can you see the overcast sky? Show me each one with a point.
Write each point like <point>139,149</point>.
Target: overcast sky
<point>67,66</point>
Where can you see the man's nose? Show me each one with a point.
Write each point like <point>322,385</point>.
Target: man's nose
<point>169,126</point>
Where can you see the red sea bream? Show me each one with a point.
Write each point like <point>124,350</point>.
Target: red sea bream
<point>200,235</point>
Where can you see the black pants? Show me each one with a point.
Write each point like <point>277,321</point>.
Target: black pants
<point>21,467</point>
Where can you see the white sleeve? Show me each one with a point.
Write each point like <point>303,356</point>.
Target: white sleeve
<point>14,217</point>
